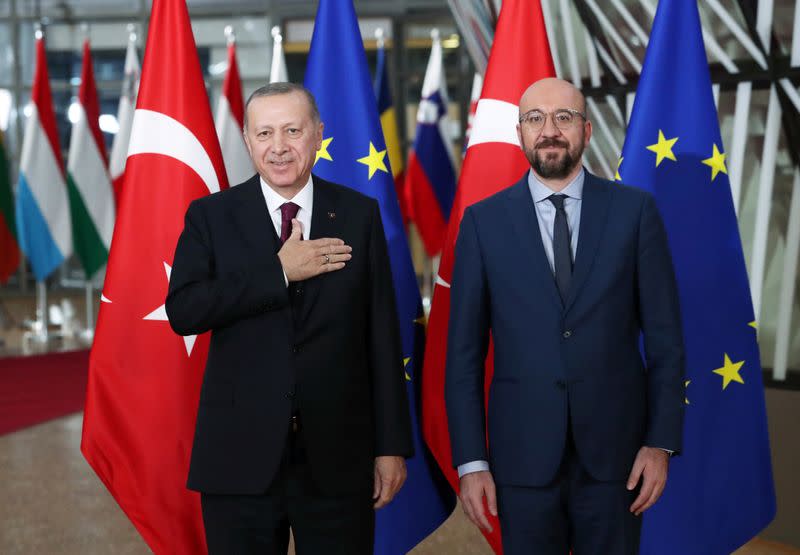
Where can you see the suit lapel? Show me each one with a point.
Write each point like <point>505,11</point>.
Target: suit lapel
<point>594,211</point>
<point>526,228</point>
<point>326,221</point>
<point>253,219</point>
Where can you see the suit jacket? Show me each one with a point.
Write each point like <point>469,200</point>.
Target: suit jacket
<point>333,352</point>
<point>577,363</point>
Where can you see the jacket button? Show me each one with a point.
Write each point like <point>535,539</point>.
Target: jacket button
<point>561,384</point>
<point>290,395</point>
<point>567,334</point>
<point>296,349</point>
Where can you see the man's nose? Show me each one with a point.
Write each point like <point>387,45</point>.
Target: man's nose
<point>278,143</point>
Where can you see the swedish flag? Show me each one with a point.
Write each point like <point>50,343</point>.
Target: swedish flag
<point>720,491</point>
<point>354,154</point>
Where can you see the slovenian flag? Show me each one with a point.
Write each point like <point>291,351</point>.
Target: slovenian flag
<point>42,209</point>
<point>431,175</point>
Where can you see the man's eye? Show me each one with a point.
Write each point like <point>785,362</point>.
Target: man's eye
<point>535,118</point>
<point>564,117</point>
<point>293,131</point>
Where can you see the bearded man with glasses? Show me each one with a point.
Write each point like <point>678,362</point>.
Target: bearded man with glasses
<point>566,271</point>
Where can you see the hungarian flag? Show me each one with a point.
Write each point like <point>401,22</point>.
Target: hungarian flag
<point>277,71</point>
<point>520,55</point>
<point>144,380</point>
<point>91,198</point>
<point>229,122</point>
<point>42,209</point>
<point>431,177</point>
<point>127,101</point>
<point>388,117</point>
<point>9,251</point>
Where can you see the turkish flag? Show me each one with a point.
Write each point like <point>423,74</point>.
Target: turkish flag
<point>520,55</point>
<point>144,380</point>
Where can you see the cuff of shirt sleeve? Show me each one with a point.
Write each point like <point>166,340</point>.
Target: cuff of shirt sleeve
<point>472,466</point>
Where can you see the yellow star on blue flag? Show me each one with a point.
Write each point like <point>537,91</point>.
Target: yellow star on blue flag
<point>374,160</point>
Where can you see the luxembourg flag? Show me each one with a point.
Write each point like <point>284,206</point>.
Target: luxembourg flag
<point>229,121</point>
<point>42,209</point>
<point>431,176</point>
<point>88,181</point>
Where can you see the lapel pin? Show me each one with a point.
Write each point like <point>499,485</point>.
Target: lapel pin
<point>331,215</point>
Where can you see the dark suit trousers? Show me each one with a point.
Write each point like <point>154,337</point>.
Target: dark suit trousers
<point>259,524</point>
<point>574,512</point>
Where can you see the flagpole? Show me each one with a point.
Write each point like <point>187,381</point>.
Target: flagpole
<point>88,333</point>
<point>39,333</point>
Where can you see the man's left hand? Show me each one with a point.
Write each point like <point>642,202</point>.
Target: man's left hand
<point>390,473</point>
<point>651,466</point>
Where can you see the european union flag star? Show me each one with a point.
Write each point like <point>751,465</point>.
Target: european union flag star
<point>663,148</point>
<point>405,365</point>
<point>323,151</point>
<point>716,163</point>
<point>730,372</point>
<point>374,160</point>
<point>619,163</point>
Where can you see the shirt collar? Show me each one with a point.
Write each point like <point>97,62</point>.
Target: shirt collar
<point>540,191</point>
<point>303,198</point>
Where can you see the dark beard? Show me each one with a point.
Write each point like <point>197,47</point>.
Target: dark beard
<point>553,169</point>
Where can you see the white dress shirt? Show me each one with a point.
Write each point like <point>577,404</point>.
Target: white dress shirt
<point>304,199</point>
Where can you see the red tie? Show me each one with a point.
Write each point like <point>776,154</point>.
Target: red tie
<point>288,213</point>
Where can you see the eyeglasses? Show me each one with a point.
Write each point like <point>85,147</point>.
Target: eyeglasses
<point>564,118</point>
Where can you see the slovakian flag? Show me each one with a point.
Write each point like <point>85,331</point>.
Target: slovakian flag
<point>353,154</point>
<point>720,491</point>
<point>144,380</point>
<point>391,137</point>
<point>431,175</point>
<point>127,102</point>
<point>520,55</point>
<point>229,123</point>
<point>44,229</point>
<point>9,249</point>
<point>91,197</point>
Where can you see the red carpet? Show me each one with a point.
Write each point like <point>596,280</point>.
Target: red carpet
<point>35,389</point>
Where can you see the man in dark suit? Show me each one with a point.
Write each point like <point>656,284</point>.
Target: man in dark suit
<point>566,270</point>
<point>303,419</point>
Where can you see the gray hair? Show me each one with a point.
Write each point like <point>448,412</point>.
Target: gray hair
<point>274,89</point>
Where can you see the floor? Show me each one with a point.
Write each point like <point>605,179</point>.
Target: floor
<point>53,504</point>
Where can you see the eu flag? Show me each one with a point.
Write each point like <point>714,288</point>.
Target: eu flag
<point>354,154</point>
<point>719,491</point>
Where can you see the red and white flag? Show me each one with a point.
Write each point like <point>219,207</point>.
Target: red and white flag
<point>229,122</point>
<point>520,55</point>
<point>144,380</point>
<point>127,102</point>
